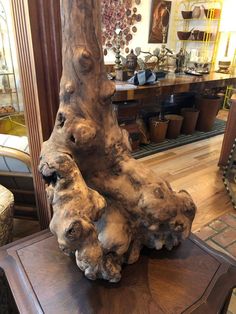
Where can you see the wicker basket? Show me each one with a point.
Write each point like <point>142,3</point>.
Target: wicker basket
<point>6,215</point>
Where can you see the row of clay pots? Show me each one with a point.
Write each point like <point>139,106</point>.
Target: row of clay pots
<point>191,119</point>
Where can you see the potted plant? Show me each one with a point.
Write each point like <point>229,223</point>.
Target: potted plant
<point>158,59</point>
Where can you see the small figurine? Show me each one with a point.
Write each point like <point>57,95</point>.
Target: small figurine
<point>131,63</point>
<point>180,61</point>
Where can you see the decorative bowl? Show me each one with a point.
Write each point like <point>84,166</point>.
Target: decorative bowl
<point>183,35</point>
<point>187,14</point>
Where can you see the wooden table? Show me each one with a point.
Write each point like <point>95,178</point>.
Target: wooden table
<point>190,279</point>
<point>176,84</point>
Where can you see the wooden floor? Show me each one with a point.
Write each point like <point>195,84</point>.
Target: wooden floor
<point>192,167</point>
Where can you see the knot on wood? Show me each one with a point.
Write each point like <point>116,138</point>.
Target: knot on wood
<point>54,166</point>
<point>107,90</point>
<point>61,119</point>
<point>188,207</point>
<point>83,61</point>
<point>83,132</point>
<point>158,192</point>
<point>72,230</point>
<point>69,88</point>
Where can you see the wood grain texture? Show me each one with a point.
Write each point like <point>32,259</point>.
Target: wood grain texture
<point>45,23</point>
<point>105,208</point>
<point>194,167</point>
<point>192,278</point>
<point>31,101</point>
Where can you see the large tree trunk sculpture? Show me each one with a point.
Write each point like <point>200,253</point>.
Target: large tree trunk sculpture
<point>106,205</point>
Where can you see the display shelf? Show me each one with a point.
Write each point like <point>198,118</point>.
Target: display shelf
<point>7,93</point>
<point>196,20</point>
<point>197,41</point>
<point>7,73</point>
<point>8,86</point>
<point>209,24</point>
<point>6,114</point>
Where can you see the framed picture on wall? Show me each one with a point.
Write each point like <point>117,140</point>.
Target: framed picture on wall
<point>159,21</point>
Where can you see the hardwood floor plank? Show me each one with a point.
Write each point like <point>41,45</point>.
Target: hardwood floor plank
<point>193,167</point>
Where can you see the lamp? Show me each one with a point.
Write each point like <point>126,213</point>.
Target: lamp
<point>227,25</point>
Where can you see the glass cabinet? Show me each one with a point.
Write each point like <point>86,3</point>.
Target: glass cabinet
<point>9,98</point>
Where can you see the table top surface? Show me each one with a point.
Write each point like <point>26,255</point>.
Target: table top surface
<point>43,280</point>
<point>176,84</point>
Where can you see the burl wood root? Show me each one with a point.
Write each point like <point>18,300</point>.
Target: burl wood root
<point>106,205</point>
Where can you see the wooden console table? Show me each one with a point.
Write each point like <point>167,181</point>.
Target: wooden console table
<point>176,84</point>
<point>192,278</point>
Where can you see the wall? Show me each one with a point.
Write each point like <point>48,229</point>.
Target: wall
<point>141,37</point>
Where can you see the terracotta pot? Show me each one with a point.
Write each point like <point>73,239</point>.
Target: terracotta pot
<point>208,107</point>
<point>158,129</point>
<point>190,116</point>
<point>174,125</point>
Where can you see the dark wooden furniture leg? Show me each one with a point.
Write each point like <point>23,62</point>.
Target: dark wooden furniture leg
<point>226,305</point>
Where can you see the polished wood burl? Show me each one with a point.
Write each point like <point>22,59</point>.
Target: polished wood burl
<point>105,207</point>
<point>192,278</point>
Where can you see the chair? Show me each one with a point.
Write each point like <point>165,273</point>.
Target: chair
<point>15,174</point>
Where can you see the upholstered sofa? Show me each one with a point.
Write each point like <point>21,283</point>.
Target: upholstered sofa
<point>15,173</point>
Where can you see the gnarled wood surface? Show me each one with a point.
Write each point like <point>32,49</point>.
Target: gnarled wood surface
<point>105,207</point>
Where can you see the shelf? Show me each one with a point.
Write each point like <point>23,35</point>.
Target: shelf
<point>7,93</point>
<point>6,114</point>
<point>208,23</point>
<point>10,114</point>
<point>7,73</point>
<point>198,41</point>
<point>200,20</point>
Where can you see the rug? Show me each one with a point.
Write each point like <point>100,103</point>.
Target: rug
<point>153,148</point>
